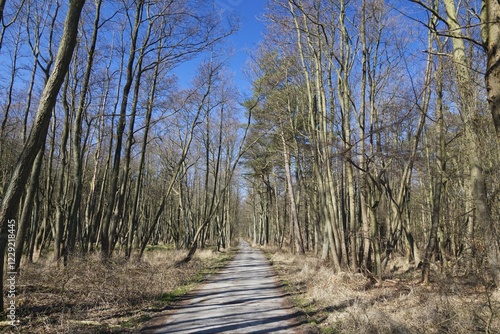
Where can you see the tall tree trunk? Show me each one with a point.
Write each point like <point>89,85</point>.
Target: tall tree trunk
<point>490,33</point>
<point>439,179</point>
<point>109,222</point>
<point>320,137</point>
<point>365,227</point>
<point>119,213</point>
<point>23,224</point>
<point>38,134</point>
<point>76,167</point>
<point>61,189</point>
<point>471,119</point>
<point>299,244</point>
<point>138,183</point>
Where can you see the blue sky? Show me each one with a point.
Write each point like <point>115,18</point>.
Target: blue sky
<point>246,39</point>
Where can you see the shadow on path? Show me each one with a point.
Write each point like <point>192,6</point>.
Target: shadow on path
<point>243,298</point>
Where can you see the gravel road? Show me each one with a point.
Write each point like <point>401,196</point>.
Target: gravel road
<point>243,298</point>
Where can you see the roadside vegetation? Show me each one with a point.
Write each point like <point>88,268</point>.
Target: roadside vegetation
<point>354,303</point>
<point>89,296</point>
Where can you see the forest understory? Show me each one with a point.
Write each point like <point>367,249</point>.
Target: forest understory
<point>88,296</point>
<point>354,303</point>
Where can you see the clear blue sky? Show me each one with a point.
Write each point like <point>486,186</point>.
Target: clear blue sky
<point>246,39</point>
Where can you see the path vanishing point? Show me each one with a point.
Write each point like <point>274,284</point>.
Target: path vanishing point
<point>243,298</point>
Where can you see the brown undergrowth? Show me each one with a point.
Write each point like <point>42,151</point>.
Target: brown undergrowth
<point>89,296</point>
<point>352,303</point>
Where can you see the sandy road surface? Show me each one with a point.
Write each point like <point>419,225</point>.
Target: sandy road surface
<point>242,298</point>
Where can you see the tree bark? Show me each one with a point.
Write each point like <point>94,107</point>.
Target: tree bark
<point>490,33</point>
<point>299,244</point>
<point>109,221</point>
<point>61,188</point>
<point>470,117</point>
<point>76,167</point>
<point>138,183</point>
<point>27,208</point>
<point>439,179</point>
<point>38,134</point>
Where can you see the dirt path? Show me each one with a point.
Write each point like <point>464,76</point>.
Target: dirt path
<point>243,298</point>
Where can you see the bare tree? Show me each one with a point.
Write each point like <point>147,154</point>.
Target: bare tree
<point>76,151</point>
<point>110,219</point>
<point>16,9</point>
<point>39,130</point>
<point>470,116</point>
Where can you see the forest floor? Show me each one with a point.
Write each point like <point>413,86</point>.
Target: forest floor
<point>88,296</point>
<point>353,303</point>
<point>124,296</point>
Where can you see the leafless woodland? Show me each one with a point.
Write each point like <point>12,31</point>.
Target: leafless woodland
<point>371,133</point>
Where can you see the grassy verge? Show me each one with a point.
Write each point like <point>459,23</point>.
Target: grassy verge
<point>351,303</point>
<point>88,296</point>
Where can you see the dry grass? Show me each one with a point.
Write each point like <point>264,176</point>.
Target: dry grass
<point>88,296</point>
<point>352,303</point>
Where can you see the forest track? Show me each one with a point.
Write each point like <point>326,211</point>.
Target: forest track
<point>243,298</point>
